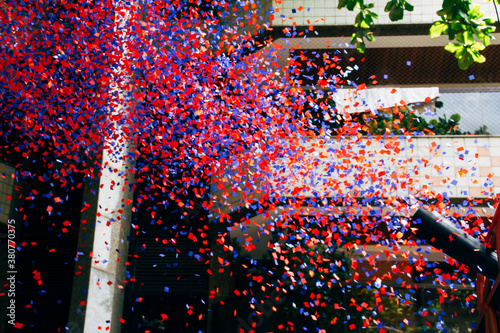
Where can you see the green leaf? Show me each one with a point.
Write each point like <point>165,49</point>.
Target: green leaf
<point>342,4</point>
<point>476,56</point>
<point>408,6</point>
<point>485,37</point>
<point>359,18</point>
<point>475,11</point>
<point>468,37</point>
<point>488,29</point>
<point>389,5</point>
<point>438,28</point>
<point>455,117</point>
<point>451,34</point>
<point>478,46</point>
<point>465,61</point>
<point>353,38</point>
<point>443,12</point>
<point>487,40</point>
<point>396,13</point>
<point>357,39</point>
<point>351,5</point>
<point>369,36</point>
<point>448,3</point>
<point>372,14</point>
<point>460,53</point>
<point>364,24</point>
<point>463,14</point>
<point>453,47</point>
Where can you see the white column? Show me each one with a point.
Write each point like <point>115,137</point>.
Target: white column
<point>110,247</point>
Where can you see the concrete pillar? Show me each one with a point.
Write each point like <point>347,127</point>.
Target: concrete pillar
<point>110,248</point>
<point>115,200</point>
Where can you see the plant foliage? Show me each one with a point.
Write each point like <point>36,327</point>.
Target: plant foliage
<point>469,33</point>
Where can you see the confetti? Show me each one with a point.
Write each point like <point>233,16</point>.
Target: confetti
<point>296,210</point>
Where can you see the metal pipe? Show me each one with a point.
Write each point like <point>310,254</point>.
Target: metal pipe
<point>442,234</point>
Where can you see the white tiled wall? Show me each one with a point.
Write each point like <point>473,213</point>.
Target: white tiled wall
<point>455,166</point>
<point>325,12</point>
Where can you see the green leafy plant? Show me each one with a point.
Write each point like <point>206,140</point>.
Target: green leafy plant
<point>364,22</point>
<point>462,22</point>
<point>396,9</point>
<point>468,32</point>
<point>483,130</point>
<point>404,121</point>
<point>452,314</point>
<point>445,126</point>
<point>395,310</point>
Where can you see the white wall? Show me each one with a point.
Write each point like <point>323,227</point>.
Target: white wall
<point>325,12</point>
<point>455,166</point>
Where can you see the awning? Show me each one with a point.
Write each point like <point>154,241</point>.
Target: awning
<point>364,100</point>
